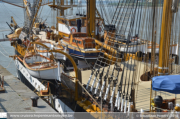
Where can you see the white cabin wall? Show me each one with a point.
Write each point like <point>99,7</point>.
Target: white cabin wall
<point>83,30</point>
<point>63,28</point>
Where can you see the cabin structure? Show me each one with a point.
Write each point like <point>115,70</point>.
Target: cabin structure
<point>73,24</point>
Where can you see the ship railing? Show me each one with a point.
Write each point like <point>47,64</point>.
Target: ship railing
<point>162,109</point>
<point>68,81</point>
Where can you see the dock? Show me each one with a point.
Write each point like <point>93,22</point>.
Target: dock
<point>16,97</point>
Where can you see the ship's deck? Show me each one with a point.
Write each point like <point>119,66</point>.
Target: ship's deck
<point>42,36</point>
<point>142,88</point>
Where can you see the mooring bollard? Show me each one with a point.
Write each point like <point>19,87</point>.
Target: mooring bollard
<point>34,100</point>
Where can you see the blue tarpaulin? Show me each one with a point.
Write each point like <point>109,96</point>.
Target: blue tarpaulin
<point>168,83</point>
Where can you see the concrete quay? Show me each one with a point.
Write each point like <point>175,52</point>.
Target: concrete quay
<point>17,96</point>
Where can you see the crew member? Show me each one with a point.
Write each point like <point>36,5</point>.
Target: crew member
<point>40,26</point>
<point>43,25</point>
<point>26,42</point>
<point>135,38</point>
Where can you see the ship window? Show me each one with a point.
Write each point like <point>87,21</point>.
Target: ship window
<point>73,23</point>
<point>79,42</point>
<point>76,41</point>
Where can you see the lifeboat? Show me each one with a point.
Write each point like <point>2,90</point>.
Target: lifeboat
<point>44,50</point>
<point>41,67</point>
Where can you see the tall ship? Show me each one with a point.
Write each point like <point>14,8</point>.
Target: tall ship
<point>101,56</point>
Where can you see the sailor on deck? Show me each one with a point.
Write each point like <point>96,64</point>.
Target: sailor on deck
<point>26,42</point>
<point>40,26</point>
<point>135,39</point>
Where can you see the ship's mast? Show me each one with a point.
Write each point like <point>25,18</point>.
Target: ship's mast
<point>62,10</point>
<point>91,15</point>
<point>169,8</point>
<point>165,37</point>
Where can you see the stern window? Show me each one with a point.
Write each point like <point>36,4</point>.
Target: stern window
<point>76,41</point>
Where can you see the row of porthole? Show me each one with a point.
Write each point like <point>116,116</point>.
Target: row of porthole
<point>29,77</point>
<point>60,106</point>
<point>33,80</point>
<point>24,72</point>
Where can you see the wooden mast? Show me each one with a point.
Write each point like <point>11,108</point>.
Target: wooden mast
<point>91,16</point>
<point>62,10</point>
<point>165,38</point>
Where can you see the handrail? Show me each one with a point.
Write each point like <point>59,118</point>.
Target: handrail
<point>45,47</point>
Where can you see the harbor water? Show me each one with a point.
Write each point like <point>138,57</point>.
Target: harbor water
<point>6,11</point>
